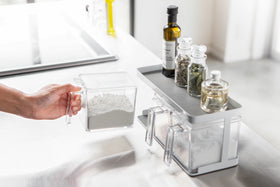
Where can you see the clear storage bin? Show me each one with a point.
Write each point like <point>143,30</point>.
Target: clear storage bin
<point>202,148</point>
<point>197,141</point>
<point>108,100</point>
<point>196,148</point>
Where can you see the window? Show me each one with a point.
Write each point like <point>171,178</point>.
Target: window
<point>275,52</point>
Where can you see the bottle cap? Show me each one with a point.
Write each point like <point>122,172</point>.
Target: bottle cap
<point>198,51</point>
<point>215,74</point>
<point>172,9</point>
<point>185,43</point>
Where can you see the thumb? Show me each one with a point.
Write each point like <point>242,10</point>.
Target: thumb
<point>67,88</point>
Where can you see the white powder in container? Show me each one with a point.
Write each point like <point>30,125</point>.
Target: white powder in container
<point>110,111</point>
<point>206,147</point>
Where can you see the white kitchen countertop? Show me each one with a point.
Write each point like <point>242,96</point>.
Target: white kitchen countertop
<point>50,153</point>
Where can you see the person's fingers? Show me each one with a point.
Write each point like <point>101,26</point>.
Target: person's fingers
<point>77,97</point>
<point>62,89</point>
<point>76,103</point>
<point>75,109</point>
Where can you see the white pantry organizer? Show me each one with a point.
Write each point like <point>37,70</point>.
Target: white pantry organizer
<point>197,141</point>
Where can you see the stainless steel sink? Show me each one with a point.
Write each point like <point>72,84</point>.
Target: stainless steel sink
<point>97,158</point>
<point>33,39</point>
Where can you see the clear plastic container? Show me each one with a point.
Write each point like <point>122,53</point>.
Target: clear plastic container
<point>159,119</point>
<point>197,141</point>
<point>108,100</point>
<point>197,148</point>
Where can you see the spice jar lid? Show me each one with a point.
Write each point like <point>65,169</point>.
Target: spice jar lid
<point>185,43</point>
<point>198,51</point>
<point>215,74</point>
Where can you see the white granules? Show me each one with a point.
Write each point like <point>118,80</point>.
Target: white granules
<point>109,111</point>
<point>206,146</point>
<point>107,102</point>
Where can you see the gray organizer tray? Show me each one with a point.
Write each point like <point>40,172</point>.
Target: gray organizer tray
<point>179,99</point>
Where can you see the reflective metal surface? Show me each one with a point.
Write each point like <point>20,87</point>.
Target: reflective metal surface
<point>259,165</point>
<point>33,39</point>
<point>48,153</point>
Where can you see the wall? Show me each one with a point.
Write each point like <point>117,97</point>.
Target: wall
<point>262,31</point>
<point>276,34</point>
<point>194,18</point>
<point>239,32</point>
<point>242,29</point>
<point>219,28</point>
<point>233,30</point>
<point>122,15</point>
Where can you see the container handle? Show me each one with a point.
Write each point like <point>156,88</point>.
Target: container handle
<point>168,152</point>
<point>150,130</point>
<point>152,113</point>
<point>69,112</point>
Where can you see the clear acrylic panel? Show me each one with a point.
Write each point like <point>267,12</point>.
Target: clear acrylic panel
<point>181,147</point>
<point>162,121</point>
<point>111,108</point>
<point>106,80</point>
<point>109,105</point>
<point>234,137</point>
<point>206,144</point>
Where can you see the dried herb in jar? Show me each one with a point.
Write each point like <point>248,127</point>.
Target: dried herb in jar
<point>182,62</point>
<point>197,74</point>
<point>181,74</point>
<point>197,70</point>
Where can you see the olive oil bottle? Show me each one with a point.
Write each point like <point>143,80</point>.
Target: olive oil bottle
<point>171,33</point>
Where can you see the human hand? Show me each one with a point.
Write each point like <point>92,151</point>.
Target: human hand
<point>51,101</point>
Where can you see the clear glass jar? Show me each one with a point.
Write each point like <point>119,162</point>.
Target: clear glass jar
<point>197,70</point>
<point>182,62</point>
<point>214,93</point>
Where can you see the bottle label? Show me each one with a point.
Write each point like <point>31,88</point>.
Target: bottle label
<point>168,54</point>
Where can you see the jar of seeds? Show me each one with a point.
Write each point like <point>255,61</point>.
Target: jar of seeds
<point>182,62</point>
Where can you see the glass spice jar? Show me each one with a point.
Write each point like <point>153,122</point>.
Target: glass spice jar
<point>214,93</point>
<point>182,62</point>
<point>197,70</point>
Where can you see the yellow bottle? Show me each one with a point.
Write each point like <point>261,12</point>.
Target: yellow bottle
<point>111,30</point>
